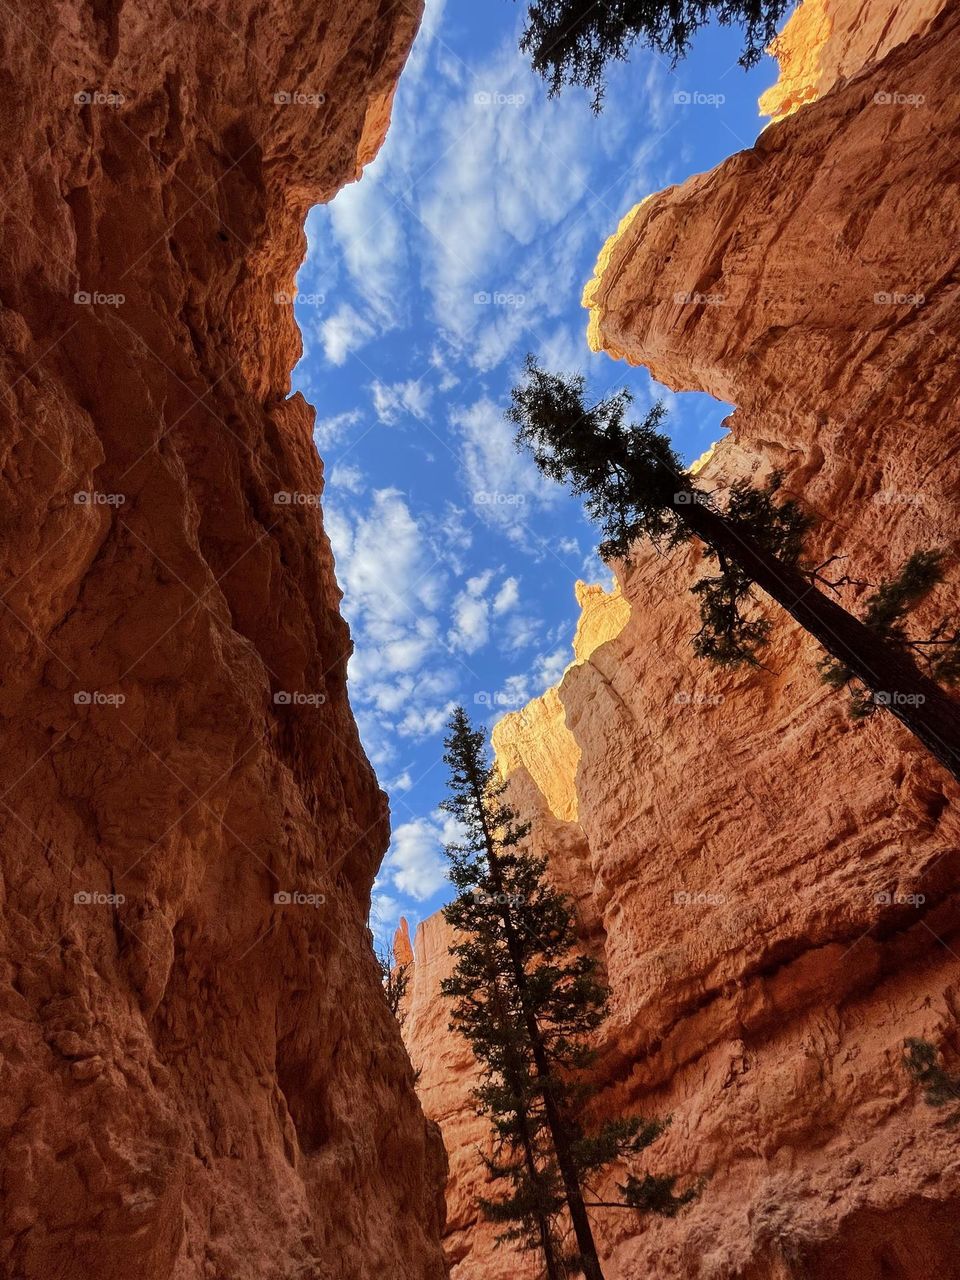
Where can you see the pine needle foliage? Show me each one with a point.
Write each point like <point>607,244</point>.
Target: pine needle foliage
<point>572,42</point>
<point>886,612</point>
<point>530,1005</point>
<point>634,486</point>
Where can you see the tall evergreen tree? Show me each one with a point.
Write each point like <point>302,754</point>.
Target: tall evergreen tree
<point>570,42</point>
<point>529,1004</point>
<point>634,486</point>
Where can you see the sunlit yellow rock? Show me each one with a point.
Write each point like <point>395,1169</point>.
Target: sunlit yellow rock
<point>537,738</point>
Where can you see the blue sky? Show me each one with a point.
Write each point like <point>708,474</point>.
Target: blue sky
<point>465,245</point>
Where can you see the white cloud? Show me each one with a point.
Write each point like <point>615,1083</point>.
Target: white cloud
<point>424,721</point>
<point>328,432</point>
<point>503,484</point>
<point>343,332</point>
<point>471,615</point>
<point>550,667</point>
<point>390,578</point>
<point>507,596</point>
<point>347,477</point>
<point>390,401</point>
<point>415,862</point>
<point>522,631</point>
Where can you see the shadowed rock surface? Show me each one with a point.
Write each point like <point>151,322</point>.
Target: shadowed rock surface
<point>196,1080</point>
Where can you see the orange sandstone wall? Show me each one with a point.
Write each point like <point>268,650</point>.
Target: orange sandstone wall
<point>773,886</point>
<point>199,1080</point>
<point>826,41</point>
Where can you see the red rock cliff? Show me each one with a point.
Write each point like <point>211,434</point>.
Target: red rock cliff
<point>199,1077</point>
<point>774,885</point>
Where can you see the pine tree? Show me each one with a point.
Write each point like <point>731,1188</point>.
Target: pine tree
<point>635,487</point>
<point>570,42</point>
<point>530,1005</point>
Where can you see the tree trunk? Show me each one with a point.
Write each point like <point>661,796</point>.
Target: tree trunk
<point>526,1139</point>
<point>561,1145</point>
<point>919,703</point>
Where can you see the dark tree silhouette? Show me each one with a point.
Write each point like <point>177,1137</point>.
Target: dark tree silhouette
<point>570,42</point>
<point>529,1004</point>
<point>635,487</point>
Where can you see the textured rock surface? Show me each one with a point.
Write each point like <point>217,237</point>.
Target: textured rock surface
<point>195,1081</point>
<point>829,40</point>
<point>774,886</point>
<point>536,738</point>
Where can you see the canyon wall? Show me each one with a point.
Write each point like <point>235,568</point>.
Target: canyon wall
<point>773,886</point>
<point>200,1077</point>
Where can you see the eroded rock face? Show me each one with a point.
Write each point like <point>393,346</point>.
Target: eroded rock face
<point>774,885</point>
<point>199,1079</point>
<point>826,41</point>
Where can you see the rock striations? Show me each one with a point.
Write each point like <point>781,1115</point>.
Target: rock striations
<point>200,1079</point>
<point>772,885</point>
